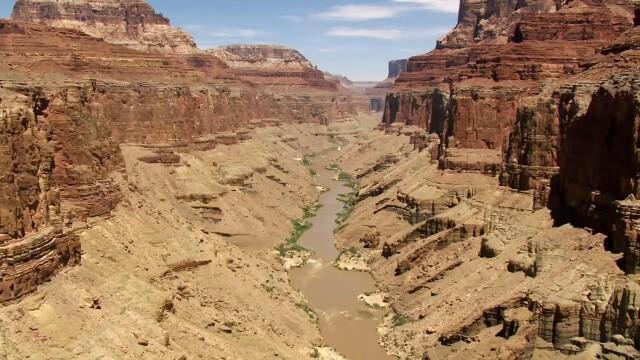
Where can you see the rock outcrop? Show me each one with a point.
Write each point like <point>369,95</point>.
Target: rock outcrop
<point>35,198</point>
<point>470,268</point>
<point>133,23</point>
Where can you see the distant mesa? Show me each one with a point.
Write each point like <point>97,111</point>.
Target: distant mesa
<point>262,56</point>
<point>397,67</point>
<point>273,65</point>
<point>341,80</point>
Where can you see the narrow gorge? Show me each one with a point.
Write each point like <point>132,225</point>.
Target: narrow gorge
<point>162,199</point>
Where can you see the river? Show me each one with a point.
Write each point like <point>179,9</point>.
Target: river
<point>347,324</point>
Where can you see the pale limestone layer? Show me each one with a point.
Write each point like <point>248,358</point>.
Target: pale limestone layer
<point>133,23</point>
<point>262,57</point>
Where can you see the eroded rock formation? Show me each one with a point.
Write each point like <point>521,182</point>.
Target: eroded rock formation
<point>397,67</point>
<point>34,198</point>
<point>133,23</point>
<point>580,149</point>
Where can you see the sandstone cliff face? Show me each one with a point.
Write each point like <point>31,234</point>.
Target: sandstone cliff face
<point>499,53</point>
<point>472,269</point>
<point>262,56</point>
<point>133,23</point>
<point>34,243</point>
<point>577,147</point>
<point>147,97</point>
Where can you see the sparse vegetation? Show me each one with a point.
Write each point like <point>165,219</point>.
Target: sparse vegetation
<point>343,176</point>
<point>300,226</point>
<point>307,160</point>
<point>400,319</point>
<point>308,310</point>
<point>352,252</point>
<point>349,199</point>
<point>313,173</point>
<point>315,354</point>
<point>311,210</point>
<point>268,288</point>
<point>291,245</point>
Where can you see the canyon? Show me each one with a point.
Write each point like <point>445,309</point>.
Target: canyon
<point>161,201</point>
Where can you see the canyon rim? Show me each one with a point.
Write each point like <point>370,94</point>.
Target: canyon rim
<point>162,200</point>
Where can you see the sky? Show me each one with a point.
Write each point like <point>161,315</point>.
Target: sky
<point>355,38</point>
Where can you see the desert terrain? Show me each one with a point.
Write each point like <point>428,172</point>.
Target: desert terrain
<point>163,201</point>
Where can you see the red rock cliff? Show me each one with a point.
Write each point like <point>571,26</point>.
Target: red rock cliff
<point>554,85</point>
<point>576,146</point>
<point>499,52</point>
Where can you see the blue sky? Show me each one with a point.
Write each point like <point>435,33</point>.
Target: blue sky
<point>352,37</point>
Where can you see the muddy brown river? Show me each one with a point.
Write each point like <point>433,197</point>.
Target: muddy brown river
<point>347,324</point>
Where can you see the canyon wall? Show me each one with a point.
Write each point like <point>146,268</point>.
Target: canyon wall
<point>545,94</point>
<point>499,53</point>
<point>80,78</point>
<point>532,80</point>
<point>584,133</point>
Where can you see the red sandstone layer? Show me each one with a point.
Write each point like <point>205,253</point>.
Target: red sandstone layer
<point>497,54</point>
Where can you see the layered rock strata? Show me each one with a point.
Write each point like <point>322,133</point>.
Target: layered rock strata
<point>577,147</point>
<point>133,23</point>
<point>273,66</point>
<point>471,270</point>
<point>544,94</point>
<point>35,239</point>
<point>499,53</point>
<point>397,67</point>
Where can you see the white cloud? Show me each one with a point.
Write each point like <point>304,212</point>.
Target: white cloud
<point>449,6</point>
<point>361,12</point>
<point>205,32</point>
<point>235,33</point>
<point>385,34</point>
